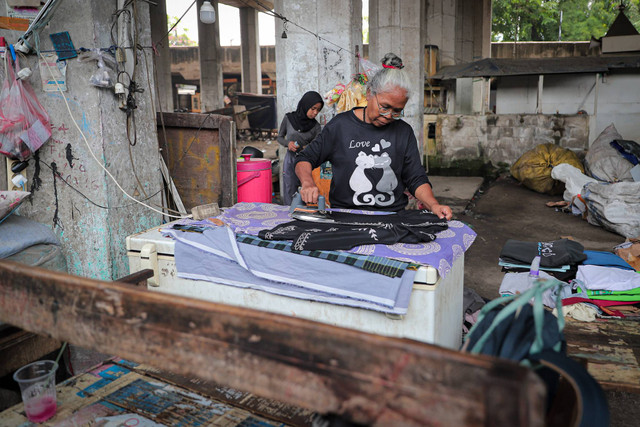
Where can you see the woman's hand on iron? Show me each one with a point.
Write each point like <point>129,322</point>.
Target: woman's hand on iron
<point>309,193</point>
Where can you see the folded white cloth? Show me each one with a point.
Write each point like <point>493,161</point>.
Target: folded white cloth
<point>598,278</point>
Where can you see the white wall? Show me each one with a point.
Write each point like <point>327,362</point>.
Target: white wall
<point>516,95</point>
<point>618,99</point>
<point>618,103</point>
<point>568,93</point>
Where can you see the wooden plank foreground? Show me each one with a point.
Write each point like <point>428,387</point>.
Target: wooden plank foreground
<point>361,377</point>
<point>610,349</point>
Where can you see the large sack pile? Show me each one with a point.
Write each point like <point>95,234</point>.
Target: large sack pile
<point>606,193</point>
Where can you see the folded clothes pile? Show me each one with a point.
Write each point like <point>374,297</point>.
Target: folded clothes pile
<point>559,258</point>
<point>597,283</point>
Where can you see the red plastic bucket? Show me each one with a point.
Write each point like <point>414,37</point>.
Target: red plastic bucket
<point>254,180</point>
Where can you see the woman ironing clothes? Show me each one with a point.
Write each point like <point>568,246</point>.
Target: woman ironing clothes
<point>373,152</point>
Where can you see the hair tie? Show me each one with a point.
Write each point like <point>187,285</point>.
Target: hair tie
<point>392,66</point>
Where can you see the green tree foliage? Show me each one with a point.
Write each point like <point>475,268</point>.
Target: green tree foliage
<point>539,20</point>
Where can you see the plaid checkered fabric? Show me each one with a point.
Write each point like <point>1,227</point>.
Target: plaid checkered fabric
<point>374,264</point>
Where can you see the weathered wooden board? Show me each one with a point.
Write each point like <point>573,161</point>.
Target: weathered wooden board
<point>611,349</point>
<point>199,150</point>
<point>362,377</point>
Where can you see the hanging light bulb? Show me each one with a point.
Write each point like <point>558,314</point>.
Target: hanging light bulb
<point>284,30</point>
<point>207,13</point>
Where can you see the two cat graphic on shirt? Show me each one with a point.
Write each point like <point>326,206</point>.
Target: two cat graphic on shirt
<point>362,186</point>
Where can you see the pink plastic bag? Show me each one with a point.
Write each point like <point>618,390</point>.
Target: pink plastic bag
<point>24,123</point>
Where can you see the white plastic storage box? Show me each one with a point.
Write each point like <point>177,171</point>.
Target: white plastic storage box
<point>435,308</point>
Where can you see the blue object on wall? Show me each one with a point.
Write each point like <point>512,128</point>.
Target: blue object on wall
<point>63,45</point>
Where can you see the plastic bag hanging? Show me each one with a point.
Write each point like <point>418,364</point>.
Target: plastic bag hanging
<point>368,67</point>
<point>24,123</point>
<point>104,76</point>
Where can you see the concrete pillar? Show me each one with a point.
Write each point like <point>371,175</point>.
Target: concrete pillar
<point>315,61</point>
<point>80,202</point>
<point>211,88</point>
<point>482,29</point>
<point>250,51</point>
<point>306,62</point>
<point>460,28</point>
<point>441,29</point>
<point>464,30</point>
<point>163,93</point>
<point>396,26</point>
<point>464,96</point>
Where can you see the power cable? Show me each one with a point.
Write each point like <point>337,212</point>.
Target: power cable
<point>173,26</point>
<point>59,176</point>
<point>287,20</point>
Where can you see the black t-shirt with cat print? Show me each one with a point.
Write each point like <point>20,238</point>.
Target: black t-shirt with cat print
<point>371,165</point>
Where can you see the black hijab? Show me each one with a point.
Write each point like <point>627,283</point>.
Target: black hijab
<point>298,118</point>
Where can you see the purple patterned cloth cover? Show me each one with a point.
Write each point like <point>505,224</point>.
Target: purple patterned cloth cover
<point>250,218</point>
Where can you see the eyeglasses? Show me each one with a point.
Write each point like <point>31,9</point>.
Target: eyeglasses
<point>386,111</point>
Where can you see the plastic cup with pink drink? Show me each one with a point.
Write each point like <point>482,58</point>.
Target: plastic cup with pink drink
<point>37,382</point>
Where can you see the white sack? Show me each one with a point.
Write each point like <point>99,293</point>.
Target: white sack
<point>605,163</point>
<point>615,207</point>
<point>573,179</point>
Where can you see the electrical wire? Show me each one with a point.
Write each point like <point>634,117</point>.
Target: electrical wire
<point>59,176</point>
<point>285,20</point>
<point>84,138</point>
<point>155,112</point>
<point>173,26</point>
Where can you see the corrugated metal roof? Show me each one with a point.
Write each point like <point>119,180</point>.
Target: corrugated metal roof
<point>491,67</point>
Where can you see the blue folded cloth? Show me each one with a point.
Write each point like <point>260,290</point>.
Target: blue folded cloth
<point>605,259</point>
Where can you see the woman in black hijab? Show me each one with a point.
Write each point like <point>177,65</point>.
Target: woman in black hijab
<point>298,129</point>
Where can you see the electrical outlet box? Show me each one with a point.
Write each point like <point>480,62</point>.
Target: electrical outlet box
<point>11,175</point>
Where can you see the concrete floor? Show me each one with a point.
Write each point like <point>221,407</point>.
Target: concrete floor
<point>507,210</point>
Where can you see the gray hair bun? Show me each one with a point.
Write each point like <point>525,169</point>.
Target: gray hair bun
<point>392,60</point>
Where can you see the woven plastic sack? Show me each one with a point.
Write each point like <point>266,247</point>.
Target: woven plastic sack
<point>533,168</point>
<point>24,123</point>
<point>605,163</point>
<point>615,207</point>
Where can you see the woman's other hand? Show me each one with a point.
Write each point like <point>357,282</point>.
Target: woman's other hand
<point>443,211</point>
<point>293,146</point>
